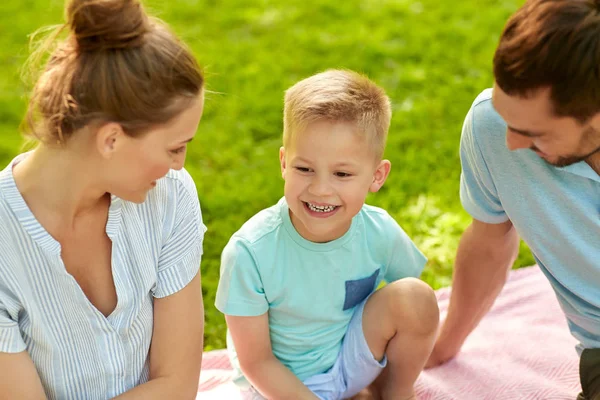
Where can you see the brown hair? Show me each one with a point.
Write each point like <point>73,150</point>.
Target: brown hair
<point>117,64</point>
<point>338,95</point>
<point>555,44</point>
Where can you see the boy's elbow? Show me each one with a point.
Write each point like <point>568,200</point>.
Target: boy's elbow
<point>253,366</point>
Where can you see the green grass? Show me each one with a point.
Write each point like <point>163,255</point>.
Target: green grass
<point>432,57</point>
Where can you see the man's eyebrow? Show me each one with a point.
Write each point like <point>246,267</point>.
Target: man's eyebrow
<point>525,132</point>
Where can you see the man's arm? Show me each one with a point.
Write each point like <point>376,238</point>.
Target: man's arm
<point>485,255</point>
<point>266,373</point>
<point>176,350</point>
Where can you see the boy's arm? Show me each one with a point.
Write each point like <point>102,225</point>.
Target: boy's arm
<point>485,254</point>
<point>258,363</point>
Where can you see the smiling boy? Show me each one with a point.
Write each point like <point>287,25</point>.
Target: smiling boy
<point>298,280</point>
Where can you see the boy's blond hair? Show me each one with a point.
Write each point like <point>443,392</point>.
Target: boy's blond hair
<point>338,95</point>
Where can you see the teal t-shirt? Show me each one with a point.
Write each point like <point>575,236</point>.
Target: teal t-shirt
<point>555,210</point>
<point>310,289</point>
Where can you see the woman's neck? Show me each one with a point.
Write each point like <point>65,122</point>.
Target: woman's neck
<point>61,181</point>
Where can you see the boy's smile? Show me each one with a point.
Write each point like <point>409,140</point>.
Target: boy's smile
<point>328,170</point>
<point>320,211</point>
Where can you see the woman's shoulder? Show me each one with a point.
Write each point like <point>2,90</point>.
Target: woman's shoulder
<point>10,227</point>
<point>182,179</point>
<point>175,189</point>
<point>14,246</point>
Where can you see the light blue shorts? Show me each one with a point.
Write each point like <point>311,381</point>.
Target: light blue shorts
<point>354,369</point>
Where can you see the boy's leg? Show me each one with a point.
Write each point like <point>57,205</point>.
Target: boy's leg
<point>400,321</point>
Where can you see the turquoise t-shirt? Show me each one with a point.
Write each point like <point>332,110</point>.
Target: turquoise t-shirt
<point>556,211</point>
<point>310,289</point>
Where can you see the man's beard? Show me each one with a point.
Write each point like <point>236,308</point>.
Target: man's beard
<point>589,136</point>
<point>568,160</point>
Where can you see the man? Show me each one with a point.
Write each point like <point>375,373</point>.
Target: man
<point>530,153</point>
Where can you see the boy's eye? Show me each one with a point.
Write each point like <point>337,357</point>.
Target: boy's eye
<point>342,174</point>
<point>303,169</point>
<point>179,150</point>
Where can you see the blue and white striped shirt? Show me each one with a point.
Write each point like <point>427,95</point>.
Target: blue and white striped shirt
<point>78,352</point>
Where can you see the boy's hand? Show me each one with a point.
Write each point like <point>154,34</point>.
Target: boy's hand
<point>369,393</point>
<point>265,372</point>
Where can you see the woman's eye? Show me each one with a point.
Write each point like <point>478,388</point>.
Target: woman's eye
<point>178,151</point>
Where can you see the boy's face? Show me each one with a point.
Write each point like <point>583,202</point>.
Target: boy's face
<point>328,170</point>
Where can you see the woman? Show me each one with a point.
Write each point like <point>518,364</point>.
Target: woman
<point>100,227</point>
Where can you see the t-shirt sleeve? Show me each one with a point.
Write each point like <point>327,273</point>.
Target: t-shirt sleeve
<point>240,291</point>
<point>11,340</point>
<point>406,260</point>
<point>179,261</point>
<point>478,193</point>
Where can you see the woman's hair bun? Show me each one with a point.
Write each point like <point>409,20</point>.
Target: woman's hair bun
<point>100,25</point>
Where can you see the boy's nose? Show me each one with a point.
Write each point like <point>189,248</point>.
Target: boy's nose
<point>320,187</point>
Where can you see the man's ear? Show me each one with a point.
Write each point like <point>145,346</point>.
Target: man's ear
<point>282,161</point>
<point>108,139</point>
<point>595,122</point>
<point>380,175</point>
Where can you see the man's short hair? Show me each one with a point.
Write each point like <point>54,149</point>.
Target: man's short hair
<point>553,44</point>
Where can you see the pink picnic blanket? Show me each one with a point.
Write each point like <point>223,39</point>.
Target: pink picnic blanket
<point>521,350</point>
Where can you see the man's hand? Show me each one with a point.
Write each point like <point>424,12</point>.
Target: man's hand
<point>440,355</point>
<point>485,254</point>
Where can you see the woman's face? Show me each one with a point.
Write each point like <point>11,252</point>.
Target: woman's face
<point>141,161</point>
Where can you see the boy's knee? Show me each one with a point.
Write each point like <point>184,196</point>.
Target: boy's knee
<point>415,304</point>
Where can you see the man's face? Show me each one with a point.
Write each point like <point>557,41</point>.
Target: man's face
<point>531,124</point>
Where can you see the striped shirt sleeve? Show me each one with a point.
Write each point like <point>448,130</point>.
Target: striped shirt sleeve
<point>10,336</point>
<point>180,256</point>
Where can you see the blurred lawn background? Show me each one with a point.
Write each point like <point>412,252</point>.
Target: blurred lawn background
<point>432,56</point>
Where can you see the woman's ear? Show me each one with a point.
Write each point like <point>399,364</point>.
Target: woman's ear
<point>381,173</point>
<point>108,139</point>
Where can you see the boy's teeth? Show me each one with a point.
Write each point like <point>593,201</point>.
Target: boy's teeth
<point>316,208</point>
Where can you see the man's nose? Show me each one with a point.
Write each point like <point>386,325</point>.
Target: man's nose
<point>516,141</point>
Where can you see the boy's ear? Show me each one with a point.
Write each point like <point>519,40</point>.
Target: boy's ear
<point>108,139</point>
<point>282,161</point>
<point>380,175</point>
